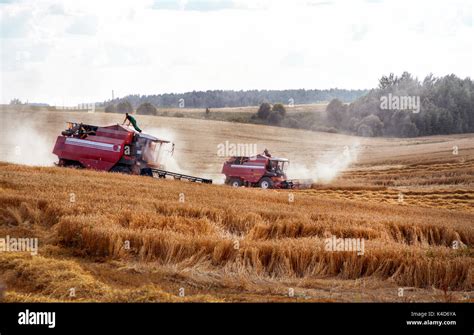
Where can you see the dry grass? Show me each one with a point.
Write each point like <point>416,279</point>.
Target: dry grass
<point>226,244</point>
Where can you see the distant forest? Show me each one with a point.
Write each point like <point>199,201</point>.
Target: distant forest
<point>401,106</point>
<point>406,107</point>
<point>221,98</point>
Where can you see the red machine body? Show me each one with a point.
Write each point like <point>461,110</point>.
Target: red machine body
<point>260,170</point>
<point>112,148</point>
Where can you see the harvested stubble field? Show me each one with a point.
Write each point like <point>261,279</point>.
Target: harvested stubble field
<point>128,238</point>
<point>109,237</point>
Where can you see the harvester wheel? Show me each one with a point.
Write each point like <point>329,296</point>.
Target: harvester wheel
<point>121,169</point>
<point>146,172</point>
<point>265,183</point>
<point>70,164</point>
<point>235,182</point>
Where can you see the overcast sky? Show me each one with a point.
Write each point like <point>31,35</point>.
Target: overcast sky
<point>67,52</point>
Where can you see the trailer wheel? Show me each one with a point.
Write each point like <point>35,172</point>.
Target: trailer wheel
<point>265,183</point>
<point>235,182</point>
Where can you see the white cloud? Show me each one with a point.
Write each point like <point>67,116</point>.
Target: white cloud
<point>74,51</point>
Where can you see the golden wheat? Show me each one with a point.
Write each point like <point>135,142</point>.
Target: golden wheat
<point>125,238</point>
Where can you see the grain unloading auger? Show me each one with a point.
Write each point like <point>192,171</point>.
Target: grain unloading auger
<point>116,148</point>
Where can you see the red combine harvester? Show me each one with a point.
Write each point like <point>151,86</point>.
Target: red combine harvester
<point>116,149</point>
<point>258,171</point>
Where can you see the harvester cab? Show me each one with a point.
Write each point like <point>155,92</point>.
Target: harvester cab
<point>278,166</point>
<point>151,151</point>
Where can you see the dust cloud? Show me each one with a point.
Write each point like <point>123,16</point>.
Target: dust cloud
<point>326,167</point>
<point>26,144</point>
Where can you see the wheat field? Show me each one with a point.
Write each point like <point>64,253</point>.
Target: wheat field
<point>107,237</point>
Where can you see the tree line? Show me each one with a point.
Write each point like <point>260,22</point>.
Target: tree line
<point>406,107</point>
<point>401,106</point>
<point>229,98</point>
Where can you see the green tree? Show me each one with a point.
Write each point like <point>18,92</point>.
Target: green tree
<point>408,129</point>
<point>335,112</point>
<point>446,122</point>
<point>365,130</point>
<point>279,108</point>
<point>124,107</point>
<point>146,108</point>
<point>388,81</point>
<point>16,101</point>
<point>264,111</point>
<point>275,118</point>
<point>111,109</point>
<point>370,126</point>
